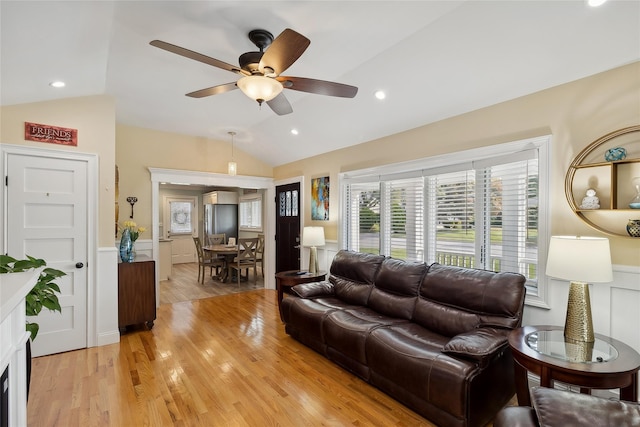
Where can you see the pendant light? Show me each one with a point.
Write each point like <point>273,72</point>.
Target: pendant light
<point>232,167</point>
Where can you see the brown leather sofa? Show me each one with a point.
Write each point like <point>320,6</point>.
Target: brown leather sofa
<point>558,408</point>
<point>433,337</point>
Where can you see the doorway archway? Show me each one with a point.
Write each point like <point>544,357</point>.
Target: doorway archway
<point>159,175</point>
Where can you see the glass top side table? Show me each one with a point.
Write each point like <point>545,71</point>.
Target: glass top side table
<point>543,351</point>
<point>553,343</point>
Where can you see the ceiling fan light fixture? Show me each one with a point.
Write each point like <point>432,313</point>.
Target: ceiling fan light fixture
<point>260,88</point>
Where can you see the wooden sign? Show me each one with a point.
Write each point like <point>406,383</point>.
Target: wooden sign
<point>50,134</point>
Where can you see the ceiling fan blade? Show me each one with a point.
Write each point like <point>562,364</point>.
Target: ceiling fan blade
<point>280,105</point>
<point>215,90</point>
<point>283,51</point>
<point>319,87</point>
<point>196,56</point>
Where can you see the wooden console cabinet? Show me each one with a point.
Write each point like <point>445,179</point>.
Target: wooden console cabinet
<point>136,292</point>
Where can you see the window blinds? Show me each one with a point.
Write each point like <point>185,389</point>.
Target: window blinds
<point>481,214</point>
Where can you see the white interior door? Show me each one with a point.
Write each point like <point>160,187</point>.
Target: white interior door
<point>181,224</point>
<point>47,218</point>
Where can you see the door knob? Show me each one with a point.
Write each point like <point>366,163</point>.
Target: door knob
<point>79,265</point>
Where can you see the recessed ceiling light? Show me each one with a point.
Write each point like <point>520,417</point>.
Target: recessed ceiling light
<point>57,84</point>
<point>294,131</point>
<point>596,3</point>
<point>380,94</point>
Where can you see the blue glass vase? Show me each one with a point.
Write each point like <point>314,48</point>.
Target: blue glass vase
<point>126,246</point>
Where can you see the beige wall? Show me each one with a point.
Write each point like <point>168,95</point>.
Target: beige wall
<point>94,117</point>
<point>575,114</point>
<point>138,149</point>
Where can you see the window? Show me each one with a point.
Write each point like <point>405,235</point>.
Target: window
<point>477,209</point>
<point>288,203</point>
<point>251,212</point>
<point>180,220</point>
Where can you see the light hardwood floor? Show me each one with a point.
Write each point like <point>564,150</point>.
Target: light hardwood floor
<point>220,361</point>
<point>183,285</point>
<point>217,356</point>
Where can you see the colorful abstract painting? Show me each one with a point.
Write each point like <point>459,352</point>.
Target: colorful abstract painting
<point>320,198</point>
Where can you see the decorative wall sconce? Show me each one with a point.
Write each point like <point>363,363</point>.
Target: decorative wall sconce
<point>132,201</point>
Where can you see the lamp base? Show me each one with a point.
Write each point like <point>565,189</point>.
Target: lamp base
<point>313,259</point>
<point>579,325</point>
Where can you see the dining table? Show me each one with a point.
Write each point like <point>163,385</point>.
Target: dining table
<point>228,252</point>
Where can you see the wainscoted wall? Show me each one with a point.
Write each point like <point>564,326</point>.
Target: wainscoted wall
<point>104,323</point>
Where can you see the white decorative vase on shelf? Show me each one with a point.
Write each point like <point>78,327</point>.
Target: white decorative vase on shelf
<point>635,202</point>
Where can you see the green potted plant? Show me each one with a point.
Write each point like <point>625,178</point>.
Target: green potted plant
<point>42,295</point>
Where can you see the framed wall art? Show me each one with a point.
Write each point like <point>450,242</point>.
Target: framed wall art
<point>320,199</point>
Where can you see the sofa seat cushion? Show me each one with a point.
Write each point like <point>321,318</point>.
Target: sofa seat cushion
<point>347,330</point>
<point>419,367</point>
<point>334,302</point>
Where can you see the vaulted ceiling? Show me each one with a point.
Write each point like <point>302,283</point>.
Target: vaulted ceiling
<point>434,59</point>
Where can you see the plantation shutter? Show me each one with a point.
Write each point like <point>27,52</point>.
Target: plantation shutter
<point>403,229</point>
<point>362,224</point>
<point>481,211</point>
<point>511,215</point>
<point>451,198</point>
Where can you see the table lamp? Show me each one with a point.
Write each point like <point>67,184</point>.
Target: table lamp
<point>579,260</point>
<point>312,237</point>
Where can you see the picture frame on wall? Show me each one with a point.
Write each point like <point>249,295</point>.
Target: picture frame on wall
<point>320,198</point>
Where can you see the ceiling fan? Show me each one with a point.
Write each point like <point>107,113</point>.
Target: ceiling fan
<point>261,79</point>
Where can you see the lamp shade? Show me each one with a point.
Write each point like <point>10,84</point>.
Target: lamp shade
<point>313,236</point>
<point>582,259</point>
<point>260,88</point>
<point>232,168</point>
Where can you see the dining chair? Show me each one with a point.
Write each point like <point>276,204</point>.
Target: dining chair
<point>260,253</point>
<point>205,260</point>
<point>217,239</point>
<point>246,258</point>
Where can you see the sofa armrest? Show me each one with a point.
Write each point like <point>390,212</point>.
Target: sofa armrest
<point>479,344</point>
<point>313,289</point>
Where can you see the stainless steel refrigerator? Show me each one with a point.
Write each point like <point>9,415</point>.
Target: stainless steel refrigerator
<point>221,219</point>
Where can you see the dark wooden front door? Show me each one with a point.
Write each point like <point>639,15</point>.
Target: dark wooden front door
<point>288,227</point>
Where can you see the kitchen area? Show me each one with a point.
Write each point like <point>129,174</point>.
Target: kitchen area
<point>198,211</point>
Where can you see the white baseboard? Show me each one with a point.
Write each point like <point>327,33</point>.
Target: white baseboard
<point>108,338</point>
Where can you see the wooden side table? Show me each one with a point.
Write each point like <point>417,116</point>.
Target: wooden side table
<point>136,292</point>
<point>605,364</point>
<point>288,279</point>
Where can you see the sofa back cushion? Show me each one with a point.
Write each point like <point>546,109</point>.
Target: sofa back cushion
<point>353,274</point>
<point>395,290</point>
<point>455,300</point>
